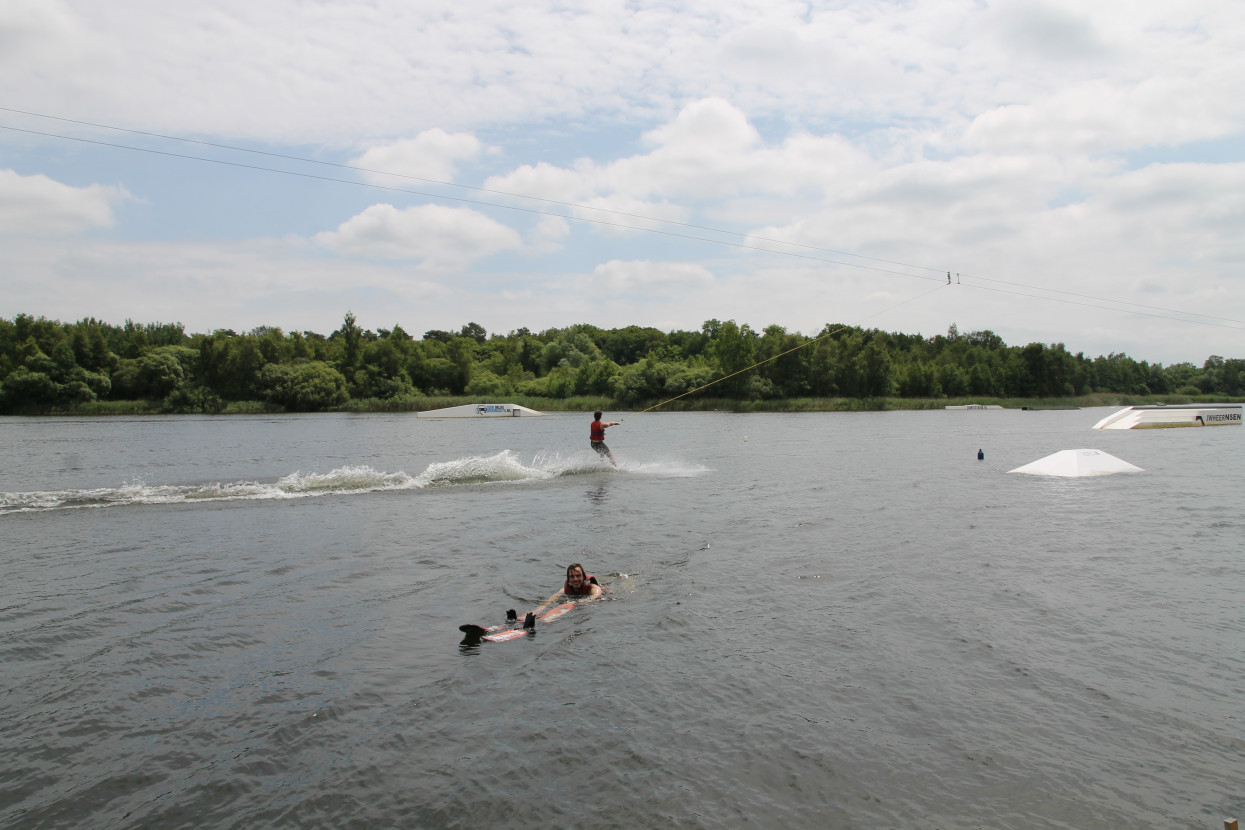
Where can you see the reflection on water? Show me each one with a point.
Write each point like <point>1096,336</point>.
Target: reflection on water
<point>597,493</point>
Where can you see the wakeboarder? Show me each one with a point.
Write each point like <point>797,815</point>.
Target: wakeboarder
<point>596,436</point>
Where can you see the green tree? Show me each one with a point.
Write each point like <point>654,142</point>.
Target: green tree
<point>572,349</point>
<point>981,381</point>
<point>462,356</point>
<point>488,384</point>
<point>153,376</point>
<point>135,341</point>
<point>273,345</point>
<point>787,366</point>
<point>825,362</point>
<point>300,349</point>
<point>384,374</point>
<point>32,357</point>
<point>953,380</point>
<point>917,379</point>
<point>733,350</point>
<point>873,367</point>
<point>352,339</point>
<point>595,378</point>
<point>628,345</point>
<point>100,383</point>
<point>63,357</point>
<point>475,332</point>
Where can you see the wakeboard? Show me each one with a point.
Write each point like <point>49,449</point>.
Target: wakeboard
<point>513,630</point>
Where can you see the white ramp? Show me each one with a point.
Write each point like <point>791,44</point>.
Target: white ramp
<point>482,410</point>
<point>1175,415</point>
<point>1077,463</point>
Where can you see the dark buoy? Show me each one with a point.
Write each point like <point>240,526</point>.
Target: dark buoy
<point>981,456</point>
<point>529,621</point>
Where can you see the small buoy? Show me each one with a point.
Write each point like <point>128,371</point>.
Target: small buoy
<point>745,438</point>
<point>981,456</point>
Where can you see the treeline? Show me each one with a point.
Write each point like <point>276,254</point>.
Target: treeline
<point>50,366</point>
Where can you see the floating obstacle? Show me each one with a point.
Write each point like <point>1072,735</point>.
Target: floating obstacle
<point>482,410</point>
<point>1176,415</point>
<point>1078,463</point>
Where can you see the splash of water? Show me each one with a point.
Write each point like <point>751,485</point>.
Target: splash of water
<point>502,468</point>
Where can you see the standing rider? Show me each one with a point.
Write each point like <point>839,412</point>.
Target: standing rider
<point>596,436</point>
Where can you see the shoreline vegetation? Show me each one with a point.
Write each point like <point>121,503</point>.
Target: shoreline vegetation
<point>585,405</point>
<point>93,368</point>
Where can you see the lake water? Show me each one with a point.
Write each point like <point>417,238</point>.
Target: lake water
<point>814,620</point>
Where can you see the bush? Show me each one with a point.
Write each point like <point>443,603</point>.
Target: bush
<point>303,387</point>
<point>24,387</point>
<point>74,392</point>
<point>371,383</point>
<point>198,399</point>
<point>486,384</point>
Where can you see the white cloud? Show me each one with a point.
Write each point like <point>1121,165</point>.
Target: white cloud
<point>643,275</point>
<point>31,205</point>
<point>1174,218</point>
<point>708,153</point>
<point>337,71</point>
<point>449,236</point>
<point>217,285</point>
<point>1049,32</point>
<point>549,234</point>
<point>773,53</point>
<point>711,125</point>
<point>1105,118</point>
<point>433,154</point>
<point>998,139</point>
<point>30,28</point>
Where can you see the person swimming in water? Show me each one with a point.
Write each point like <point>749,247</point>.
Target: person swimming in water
<point>579,583</point>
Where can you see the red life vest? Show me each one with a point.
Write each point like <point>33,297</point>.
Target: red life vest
<point>596,432</point>
<point>585,587</point>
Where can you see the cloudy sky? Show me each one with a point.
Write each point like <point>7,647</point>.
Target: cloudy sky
<point>1078,168</point>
